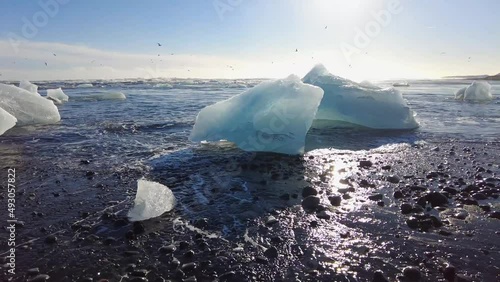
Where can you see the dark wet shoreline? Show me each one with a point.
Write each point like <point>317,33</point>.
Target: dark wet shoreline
<point>273,238</point>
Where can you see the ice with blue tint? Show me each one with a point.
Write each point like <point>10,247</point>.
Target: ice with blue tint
<point>360,104</point>
<point>7,121</point>
<point>477,91</point>
<point>27,108</point>
<point>459,95</point>
<point>274,116</point>
<point>151,200</point>
<point>30,87</point>
<point>57,95</point>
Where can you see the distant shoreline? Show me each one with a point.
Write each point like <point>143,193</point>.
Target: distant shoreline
<point>481,77</point>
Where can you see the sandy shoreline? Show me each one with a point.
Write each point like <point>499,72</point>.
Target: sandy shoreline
<point>240,217</point>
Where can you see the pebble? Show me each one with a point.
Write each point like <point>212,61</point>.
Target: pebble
<point>187,267</point>
<point>271,220</point>
<point>449,273</point>
<point>261,260</point>
<point>323,215</point>
<point>271,252</point>
<point>51,239</point>
<point>39,278</point>
<point>406,208</point>
<point>309,191</point>
<point>412,274</point>
<point>398,195</point>
<point>365,163</point>
<point>376,197</point>
<point>33,271</point>
<point>378,276</point>
<point>393,179</point>
<point>311,202</point>
<point>436,199</point>
<point>335,200</point>
<point>167,249</point>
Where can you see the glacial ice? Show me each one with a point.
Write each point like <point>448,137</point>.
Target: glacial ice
<point>57,95</point>
<point>109,96</point>
<point>163,85</point>
<point>30,87</point>
<point>27,108</point>
<point>85,85</point>
<point>274,116</point>
<point>7,121</point>
<point>459,95</point>
<point>360,104</point>
<point>151,200</point>
<point>478,91</point>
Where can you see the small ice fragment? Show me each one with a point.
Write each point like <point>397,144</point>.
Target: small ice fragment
<point>57,94</point>
<point>7,121</point>
<point>151,200</point>
<point>85,85</point>
<point>459,95</point>
<point>478,91</point>
<point>30,87</point>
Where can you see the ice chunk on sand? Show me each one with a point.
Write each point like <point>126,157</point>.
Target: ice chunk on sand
<point>347,101</point>
<point>85,85</point>
<point>26,107</point>
<point>151,200</point>
<point>7,121</point>
<point>30,87</point>
<point>478,91</point>
<point>57,94</point>
<point>274,116</point>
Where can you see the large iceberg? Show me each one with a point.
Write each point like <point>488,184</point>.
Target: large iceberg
<point>151,200</point>
<point>7,121</point>
<point>360,104</point>
<point>27,108</point>
<point>57,95</point>
<point>477,91</point>
<point>28,86</point>
<point>274,116</point>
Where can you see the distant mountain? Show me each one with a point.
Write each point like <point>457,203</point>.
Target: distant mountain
<point>470,77</point>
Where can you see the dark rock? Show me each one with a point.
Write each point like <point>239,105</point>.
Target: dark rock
<point>39,278</point>
<point>323,215</point>
<point>190,279</point>
<point>187,267</point>
<point>479,196</point>
<point>412,222</point>
<point>335,200</point>
<point>436,199</point>
<point>189,254</point>
<point>398,195</point>
<point>261,260</point>
<point>495,214</point>
<point>309,191</point>
<point>84,162</point>
<point>381,203</point>
<point>432,174</point>
<point>139,273</point>
<point>449,273</point>
<point>33,271</point>
<point>51,239</point>
<point>167,249</point>
<point>376,197</point>
<point>183,245</point>
<point>412,274</point>
<point>271,220</point>
<point>271,252</point>
<point>89,173</point>
<point>109,241</point>
<point>393,179</point>
<point>378,276</point>
<point>311,202</point>
<point>365,163</point>
<point>406,208</point>
<point>386,167</point>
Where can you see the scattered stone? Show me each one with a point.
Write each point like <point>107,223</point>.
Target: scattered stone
<point>167,249</point>
<point>393,179</point>
<point>323,215</point>
<point>271,220</point>
<point>386,167</point>
<point>378,276</point>
<point>51,239</point>
<point>335,200</point>
<point>398,195</point>
<point>190,279</point>
<point>309,191</point>
<point>406,208</point>
<point>271,252</point>
<point>432,174</point>
<point>39,278</point>
<point>495,214</point>
<point>33,271</point>
<point>449,273</point>
<point>139,273</point>
<point>311,202</point>
<point>412,274</point>
<point>261,260</point>
<point>376,197</point>
<point>365,164</point>
<point>187,267</point>
<point>436,199</point>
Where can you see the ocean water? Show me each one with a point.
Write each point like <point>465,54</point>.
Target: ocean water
<point>149,130</point>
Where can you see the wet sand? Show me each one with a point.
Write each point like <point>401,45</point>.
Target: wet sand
<point>428,212</point>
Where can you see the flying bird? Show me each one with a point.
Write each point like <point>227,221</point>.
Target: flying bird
<point>159,44</point>
<point>45,63</point>
<point>296,50</point>
<point>326,27</point>
<point>54,54</point>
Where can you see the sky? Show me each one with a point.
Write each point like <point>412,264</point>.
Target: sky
<point>356,39</point>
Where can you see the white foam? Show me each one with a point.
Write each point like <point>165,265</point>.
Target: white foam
<point>151,200</point>
<point>274,116</point>
<point>348,101</point>
<point>26,107</point>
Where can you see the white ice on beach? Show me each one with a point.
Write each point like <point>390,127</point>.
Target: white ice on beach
<point>477,91</point>
<point>85,85</point>
<point>360,104</point>
<point>151,200</point>
<point>7,121</point>
<point>28,86</point>
<point>274,116</point>
<point>26,107</point>
<point>57,95</point>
